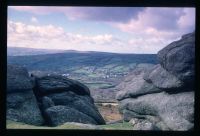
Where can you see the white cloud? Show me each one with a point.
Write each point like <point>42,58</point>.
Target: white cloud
<point>54,37</point>
<point>48,31</point>
<point>157,27</point>
<point>34,20</point>
<point>188,19</point>
<point>150,31</point>
<point>148,44</point>
<point>165,23</point>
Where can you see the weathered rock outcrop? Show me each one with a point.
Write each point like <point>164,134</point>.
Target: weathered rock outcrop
<point>55,83</point>
<point>134,85</point>
<point>48,100</point>
<point>179,58</point>
<point>58,115</point>
<point>162,95</point>
<point>21,102</point>
<point>65,100</point>
<point>162,79</point>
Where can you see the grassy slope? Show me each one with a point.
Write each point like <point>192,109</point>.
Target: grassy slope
<point>117,126</point>
<point>61,61</point>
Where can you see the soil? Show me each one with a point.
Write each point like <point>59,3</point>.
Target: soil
<point>109,111</point>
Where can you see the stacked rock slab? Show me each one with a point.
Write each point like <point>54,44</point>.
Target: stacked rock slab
<point>64,100</point>
<point>48,100</point>
<point>163,95</point>
<point>21,102</point>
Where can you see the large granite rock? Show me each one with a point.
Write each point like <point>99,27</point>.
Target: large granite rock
<point>162,79</point>
<point>65,100</point>
<point>163,95</point>
<point>21,102</point>
<point>58,115</point>
<point>81,103</point>
<point>134,86</point>
<point>55,84</point>
<point>48,100</point>
<point>176,111</point>
<point>18,79</point>
<point>179,58</point>
<point>140,124</point>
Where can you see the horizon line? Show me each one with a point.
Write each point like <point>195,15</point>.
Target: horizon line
<point>76,50</point>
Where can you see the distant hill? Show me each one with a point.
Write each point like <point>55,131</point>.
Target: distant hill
<point>21,51</point>
<point>100,71</point>
<point>60,62</point>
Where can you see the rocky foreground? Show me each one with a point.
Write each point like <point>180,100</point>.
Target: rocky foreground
<point>48,100</point>
<point>162,97</point>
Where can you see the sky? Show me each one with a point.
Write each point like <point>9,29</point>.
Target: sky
<point>108,29</point>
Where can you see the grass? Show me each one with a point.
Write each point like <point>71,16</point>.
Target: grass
<point>19,125</point>
<point>120,69</point>
<point>81,71</point>
<point>117,126</point>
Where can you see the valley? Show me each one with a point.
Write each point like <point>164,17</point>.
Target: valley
<point>100,71</point>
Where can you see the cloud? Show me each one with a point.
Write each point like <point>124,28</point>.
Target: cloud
<point>160,23</point>
<point>148,29</point>
<point>36,9</point>
<point>48,31</point>
<point>148,44</point>
<point>187,21</point>
<point>161,18</point>
<point>53,37</point>
<point>106,14</point>
<point>34,20</point>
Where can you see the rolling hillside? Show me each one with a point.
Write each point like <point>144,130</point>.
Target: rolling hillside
<point>21,51</point>
<point>100,71</point>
